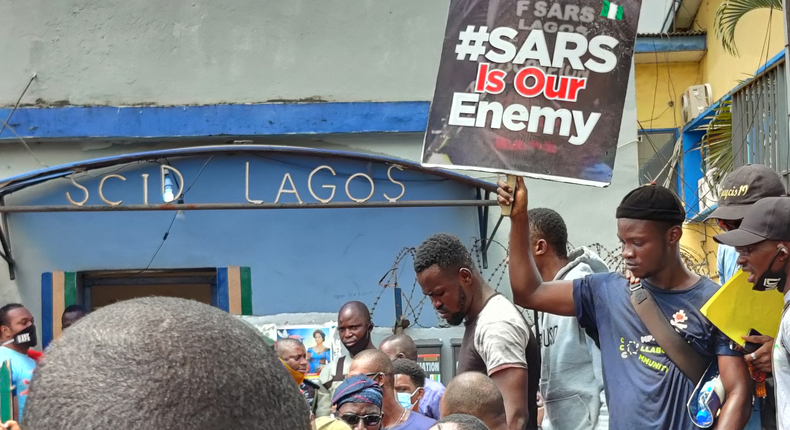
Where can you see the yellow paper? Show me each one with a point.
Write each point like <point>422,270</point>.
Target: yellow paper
<point>736,308</point>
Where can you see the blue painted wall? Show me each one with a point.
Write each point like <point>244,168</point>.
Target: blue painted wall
<point>301,260</point>
<point>258,119</point>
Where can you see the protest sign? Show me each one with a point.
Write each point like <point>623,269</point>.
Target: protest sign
<point>532,88</point>
<point>737,308</point>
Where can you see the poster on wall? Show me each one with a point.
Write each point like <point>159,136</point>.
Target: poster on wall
<point>532,88</point>
<point>319,341</point>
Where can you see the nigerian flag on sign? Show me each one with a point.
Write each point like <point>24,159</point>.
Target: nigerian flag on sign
<point>612,10</point>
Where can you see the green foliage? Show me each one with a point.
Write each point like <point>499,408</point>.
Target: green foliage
<point>716,145</point>
<point>730,12</point>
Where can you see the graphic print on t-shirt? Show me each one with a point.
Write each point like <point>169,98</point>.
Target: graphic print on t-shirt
<point>648,391</point>
<point>647,349</point>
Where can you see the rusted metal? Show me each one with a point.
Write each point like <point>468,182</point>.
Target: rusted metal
<point>243,206</point>
<point>5,243</point>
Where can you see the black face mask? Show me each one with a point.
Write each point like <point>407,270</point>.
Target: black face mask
<point>25,338</point>
<point>772,279</point>
<point>360,345</point>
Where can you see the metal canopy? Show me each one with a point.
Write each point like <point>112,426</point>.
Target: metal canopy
<point>16,183</point>
<point>20,182</point>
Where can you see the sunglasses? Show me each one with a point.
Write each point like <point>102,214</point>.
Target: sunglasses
<point>368,420</point>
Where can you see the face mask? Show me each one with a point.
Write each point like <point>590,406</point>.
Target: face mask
<point>360,345</point>
<point>25,338</point>
<point>298,376</point>
<point>405,399</point>
<point>772,279</point>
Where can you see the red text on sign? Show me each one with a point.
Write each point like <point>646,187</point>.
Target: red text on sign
<point>489,81</point>
<point>532,81</point>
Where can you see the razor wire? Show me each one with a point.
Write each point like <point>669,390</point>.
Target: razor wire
<point>695,261</point>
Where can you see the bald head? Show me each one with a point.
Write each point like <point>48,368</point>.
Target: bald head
<point>399,346</point>
<point>162,363</point>
<point>475,394</point>
<point>293,353</point>
<point>358,309</point>
<point>373,361</point>
<point>285,346</point>
<point>460,422</point>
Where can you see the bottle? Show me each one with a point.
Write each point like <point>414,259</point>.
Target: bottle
<point>710,398</point>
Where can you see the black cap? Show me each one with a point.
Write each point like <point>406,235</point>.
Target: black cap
<point>768,219</point>
<point>652,203</point>
<point>743,187</point>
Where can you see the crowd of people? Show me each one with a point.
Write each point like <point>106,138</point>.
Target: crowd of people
<point>622,351</point>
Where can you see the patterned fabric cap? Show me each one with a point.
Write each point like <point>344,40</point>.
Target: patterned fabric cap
<point>358,389</point>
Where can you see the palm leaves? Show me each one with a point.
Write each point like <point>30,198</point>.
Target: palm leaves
<point>716,145</point>
<point>730,12</point>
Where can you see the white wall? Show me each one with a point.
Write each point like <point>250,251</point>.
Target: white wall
<point>653,15</point>
<point>127,52</point>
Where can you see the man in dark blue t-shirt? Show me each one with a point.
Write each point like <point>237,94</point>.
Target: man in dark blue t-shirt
<point>644,389</point>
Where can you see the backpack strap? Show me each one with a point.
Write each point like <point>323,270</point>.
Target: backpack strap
<point>339,375</point>
<point>685,358</point>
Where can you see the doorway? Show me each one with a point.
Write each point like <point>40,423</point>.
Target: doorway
<point>102,288</point>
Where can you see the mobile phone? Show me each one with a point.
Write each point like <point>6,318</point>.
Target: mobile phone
<point>750,347</point>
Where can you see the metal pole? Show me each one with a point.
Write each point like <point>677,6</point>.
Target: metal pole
<point>237,206</point>
<point>786,95</point>
<point>5,242</point>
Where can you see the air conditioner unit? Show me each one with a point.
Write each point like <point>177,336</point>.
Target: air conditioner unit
<point>694,101</point>
<point>708,197</point>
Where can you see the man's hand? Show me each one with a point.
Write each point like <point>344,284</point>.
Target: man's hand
<point>505,197</point>
<point>10,425</point>
<point>760,359</point>
<point>631,278</point>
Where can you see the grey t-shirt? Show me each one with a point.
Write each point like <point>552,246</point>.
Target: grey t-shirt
<point>781,364</point>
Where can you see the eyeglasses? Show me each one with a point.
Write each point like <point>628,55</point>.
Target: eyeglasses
<point>374,375</point>
<point>368,420</point>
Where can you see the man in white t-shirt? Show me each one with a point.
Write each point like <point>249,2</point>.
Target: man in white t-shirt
<point>497,340</point>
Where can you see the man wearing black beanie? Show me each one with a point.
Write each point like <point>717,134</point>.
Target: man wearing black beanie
<point>644,388</point>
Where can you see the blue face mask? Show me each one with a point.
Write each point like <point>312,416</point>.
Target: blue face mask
<point>405,399</point>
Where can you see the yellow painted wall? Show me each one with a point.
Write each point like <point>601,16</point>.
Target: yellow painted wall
<point>759,37</point>
<point>698,240</point>
<point>756,44</point>
<point>656,87</point>
<point>755,41</point>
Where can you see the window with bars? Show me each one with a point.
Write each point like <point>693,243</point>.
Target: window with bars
<point>760,121</point>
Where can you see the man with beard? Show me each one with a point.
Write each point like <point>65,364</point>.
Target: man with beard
<point>354,327</point>
<point>497,340</point>
<point>17,336</point>
<point>763,244</point>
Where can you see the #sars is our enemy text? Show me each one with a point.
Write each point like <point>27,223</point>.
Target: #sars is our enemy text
<point>468,110</point>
